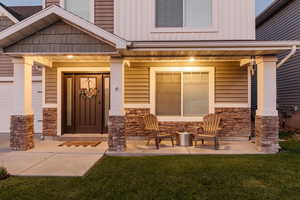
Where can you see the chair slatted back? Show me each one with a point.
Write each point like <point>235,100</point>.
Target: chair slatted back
<point>211,124</point>
<point>151,123</point>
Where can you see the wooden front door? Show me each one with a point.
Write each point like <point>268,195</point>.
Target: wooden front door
<point>85,103</point>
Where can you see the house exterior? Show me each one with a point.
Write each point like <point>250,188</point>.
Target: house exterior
<point>107,63</point>
<point>8,17</point>
<point>272,25</point>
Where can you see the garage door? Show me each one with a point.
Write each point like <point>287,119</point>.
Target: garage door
<point>6,105</point>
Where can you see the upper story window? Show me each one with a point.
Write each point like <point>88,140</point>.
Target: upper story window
<point>80,8</point>
<point>183,13</point>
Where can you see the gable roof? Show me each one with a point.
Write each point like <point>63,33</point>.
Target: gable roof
<point>25,11</point>
<point>275,7</point>
<point>12,15</point>
<point>18,13</point>
<point>51,15</point>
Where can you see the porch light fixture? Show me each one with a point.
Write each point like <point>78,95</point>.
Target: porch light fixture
<point>70,56</point>
<point>192,59</point>
<point>253,65</point>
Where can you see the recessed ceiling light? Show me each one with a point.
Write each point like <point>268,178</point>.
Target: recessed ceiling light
<point>192,59</point>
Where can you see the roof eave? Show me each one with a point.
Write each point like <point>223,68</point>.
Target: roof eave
<point>82,23</point>
<point>275,7</point>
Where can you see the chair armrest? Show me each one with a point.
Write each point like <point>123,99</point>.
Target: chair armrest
<point>200,129</point>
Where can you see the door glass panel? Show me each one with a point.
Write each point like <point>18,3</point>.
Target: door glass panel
<point>107,100</point>
<point>69,101</point>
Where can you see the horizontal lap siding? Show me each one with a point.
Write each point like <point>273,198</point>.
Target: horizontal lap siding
<point>231,82</point>
<point>285,25</point>
<point>104,14</point>
<point>51,85</point>
<point>6,66</point>
<point>51,2</point>
<point>137,84</point>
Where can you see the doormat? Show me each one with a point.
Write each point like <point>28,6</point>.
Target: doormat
<point>80,144</point>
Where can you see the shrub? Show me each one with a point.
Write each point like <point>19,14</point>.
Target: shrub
<point>3,172</point>
<point>286,135</point>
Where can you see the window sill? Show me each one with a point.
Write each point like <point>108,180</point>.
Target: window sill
<point>179,119</point>
<point>184,30</point>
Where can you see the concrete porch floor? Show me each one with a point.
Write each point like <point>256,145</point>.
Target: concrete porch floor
<point>47,159</point>
<point>227,147</point>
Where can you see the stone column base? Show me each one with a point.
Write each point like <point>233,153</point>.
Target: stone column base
<point>49,122</point>
<point>267,134</point>
<point>116,136</point>
<point>21,132</point>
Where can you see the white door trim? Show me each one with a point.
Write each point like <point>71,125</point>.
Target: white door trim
<point>60,70</point>
<point>209,69</point>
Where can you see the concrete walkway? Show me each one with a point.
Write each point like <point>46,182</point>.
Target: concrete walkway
<point>47,159</point>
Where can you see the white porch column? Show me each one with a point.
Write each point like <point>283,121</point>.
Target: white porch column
<point>22,119</point>
<point>116,139</point>
<point>266,124</point>
<point>117,87</point>
<point>22,87</point>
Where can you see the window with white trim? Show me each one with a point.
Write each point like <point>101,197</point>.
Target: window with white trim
<point>79,7</point>
<point>183,13</point>
<point>181,93</point>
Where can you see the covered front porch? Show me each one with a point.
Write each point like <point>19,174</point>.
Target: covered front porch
<point>142,78</point>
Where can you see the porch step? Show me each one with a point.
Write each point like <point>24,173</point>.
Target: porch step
<point>82,137</point>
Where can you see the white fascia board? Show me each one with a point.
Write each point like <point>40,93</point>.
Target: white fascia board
<point>85,25</point>
<point>8,14</point>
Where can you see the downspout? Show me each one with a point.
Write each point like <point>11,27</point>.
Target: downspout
<point>293,52</point>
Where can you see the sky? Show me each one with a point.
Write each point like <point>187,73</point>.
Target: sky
<point>260,4</point>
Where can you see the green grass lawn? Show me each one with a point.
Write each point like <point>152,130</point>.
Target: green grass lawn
<point>172,177</point>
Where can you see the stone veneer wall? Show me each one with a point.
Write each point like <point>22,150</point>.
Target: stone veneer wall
<point>49,122</point>
<point>116,136</point>
<point>236,122</point>
<point>22,132</point>
<point>267,137</point>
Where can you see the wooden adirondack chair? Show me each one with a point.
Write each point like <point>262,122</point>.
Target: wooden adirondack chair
<point>209,130</point>
<point>151,125</point>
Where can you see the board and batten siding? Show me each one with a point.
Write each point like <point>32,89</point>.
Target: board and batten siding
<point>51,85</point>
<point>285,25</point>
<point>235,20</point>
<point>231,82</point>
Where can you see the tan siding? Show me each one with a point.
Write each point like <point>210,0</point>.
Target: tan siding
<point>51,2</point>
<point>231,82</point>
<point>6,66</point>
<point>60,38</point>
<point>51,86</point>
<point>104,14</point>
<point>137,85</point>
